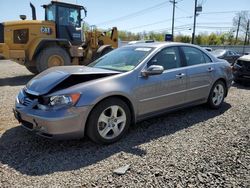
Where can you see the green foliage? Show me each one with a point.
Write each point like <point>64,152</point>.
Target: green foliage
<point>226,38</point>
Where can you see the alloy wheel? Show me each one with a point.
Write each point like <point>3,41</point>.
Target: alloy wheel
<point>218,94</point>
<point>111,122</point>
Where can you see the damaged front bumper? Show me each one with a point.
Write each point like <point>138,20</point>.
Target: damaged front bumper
<point>61,124</point>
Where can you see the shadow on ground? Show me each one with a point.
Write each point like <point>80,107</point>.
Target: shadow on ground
<point>35,156</point>
<point>15,81</point>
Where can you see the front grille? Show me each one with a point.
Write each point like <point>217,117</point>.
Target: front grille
<point>248,67</point>
<point>1,33</point>
<point>245,64</point>
<point>29,99</point>
<point>27,102</point>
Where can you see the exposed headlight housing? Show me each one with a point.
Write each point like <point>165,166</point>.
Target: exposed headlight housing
<point>59,101</point>
<point>62,100</point>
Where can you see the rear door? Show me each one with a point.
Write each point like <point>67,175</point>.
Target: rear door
<point>200,70</point>
<point>158,92</point>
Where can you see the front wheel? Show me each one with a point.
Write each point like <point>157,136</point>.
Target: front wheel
<point>52,56</point>
<point>217,95</point>
<point>108,121</point>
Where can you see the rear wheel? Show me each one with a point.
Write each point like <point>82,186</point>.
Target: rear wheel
<point>217,95</point>
<point>52,56</point>
<point>109,121</point>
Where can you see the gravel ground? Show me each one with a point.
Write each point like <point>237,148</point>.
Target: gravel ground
<point>195,147</point>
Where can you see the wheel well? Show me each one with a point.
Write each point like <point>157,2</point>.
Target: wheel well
<point>225,83</point>
<point>124,99</point>
<point>46,44</point>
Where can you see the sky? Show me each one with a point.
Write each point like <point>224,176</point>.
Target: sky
<point>141,15</point>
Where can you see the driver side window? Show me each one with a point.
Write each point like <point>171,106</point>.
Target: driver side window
<point>69,17</point>
<point>169,58</point>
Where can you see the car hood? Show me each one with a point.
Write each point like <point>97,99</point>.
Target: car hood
<point>57,78</point>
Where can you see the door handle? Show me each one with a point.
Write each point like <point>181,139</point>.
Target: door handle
<point>180,75</point>
<point>210,69</point>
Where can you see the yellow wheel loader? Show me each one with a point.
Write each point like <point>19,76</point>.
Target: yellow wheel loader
<point>58,40</point>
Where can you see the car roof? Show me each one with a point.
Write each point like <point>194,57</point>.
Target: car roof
<point>160,44</point>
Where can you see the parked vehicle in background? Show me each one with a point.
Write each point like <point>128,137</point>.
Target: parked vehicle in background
<point>241,69</point>
<point>226,54</point>
<point>127,85</point>
<point>208,49</point>
<point>140,41</point>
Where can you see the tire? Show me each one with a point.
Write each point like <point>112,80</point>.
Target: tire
<point>52,56</point>
<point>106,50</point>
<point>103,126</point>
<point>32,69</point>
<point>217,95</point>
<point>102,53</point>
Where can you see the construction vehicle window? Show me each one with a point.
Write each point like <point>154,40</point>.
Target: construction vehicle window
<point>51,12</point>
<point>69,17</point>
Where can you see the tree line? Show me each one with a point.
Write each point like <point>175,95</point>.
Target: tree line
<point>226,38</point>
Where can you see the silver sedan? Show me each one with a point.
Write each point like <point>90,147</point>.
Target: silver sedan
<point>127,85</point>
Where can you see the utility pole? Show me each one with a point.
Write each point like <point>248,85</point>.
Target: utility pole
<point>193,34</point>
<point>173,1</point>
<point>237,32</point>
<point>245,41</point>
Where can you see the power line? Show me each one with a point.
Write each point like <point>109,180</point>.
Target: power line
<point>134,14</point>
<point>188,13</point>
<point>155,23</point>
<point>214,23</point>
<point>223,12</point>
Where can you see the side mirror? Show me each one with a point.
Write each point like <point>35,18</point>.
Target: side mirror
<point>22,17</point>
<point>153,70</point>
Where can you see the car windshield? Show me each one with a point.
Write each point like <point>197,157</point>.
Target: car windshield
<point>122,59</point>
<point>218,52</point>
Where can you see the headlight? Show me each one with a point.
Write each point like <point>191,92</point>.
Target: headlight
<point>60,100</point>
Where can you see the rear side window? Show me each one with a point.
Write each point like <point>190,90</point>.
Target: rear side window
<point>194,56</point>
<point>207,59</point>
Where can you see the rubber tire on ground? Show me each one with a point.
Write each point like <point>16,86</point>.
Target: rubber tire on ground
<point>102,53</point>
<point>106,50</point>
<point>32,69</point>
<point>44,55</point>
<point>210,98</point>
<point>92,129</point>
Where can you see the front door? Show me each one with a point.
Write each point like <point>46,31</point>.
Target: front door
<point>157,92</point>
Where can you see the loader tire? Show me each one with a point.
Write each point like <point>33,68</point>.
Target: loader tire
<point>32,69</point>
<point>52,56</point>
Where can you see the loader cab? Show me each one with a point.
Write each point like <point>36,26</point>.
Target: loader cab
<point>67,18</point>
